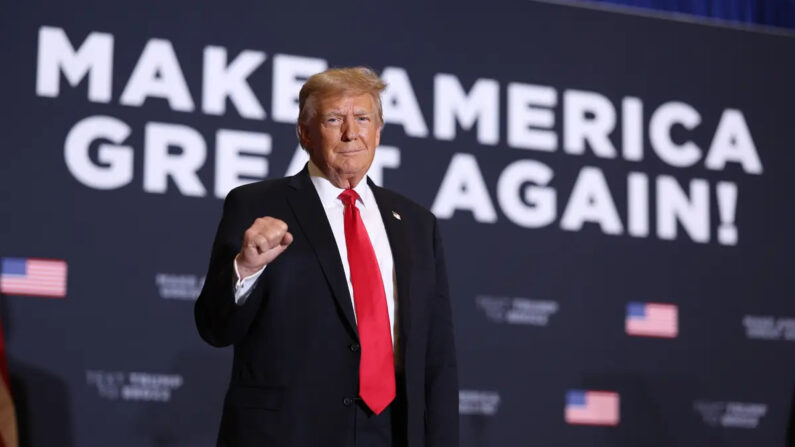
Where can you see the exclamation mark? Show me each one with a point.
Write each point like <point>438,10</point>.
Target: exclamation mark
<point>727,207</point>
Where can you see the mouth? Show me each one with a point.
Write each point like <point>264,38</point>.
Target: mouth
<point>350,151</point>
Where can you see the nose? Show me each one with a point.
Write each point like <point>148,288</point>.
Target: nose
<point>350,130</point>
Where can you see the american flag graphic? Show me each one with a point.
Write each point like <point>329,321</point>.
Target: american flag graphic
<point>652,320</point>
<point>30,276</point>
<point>585,407</point>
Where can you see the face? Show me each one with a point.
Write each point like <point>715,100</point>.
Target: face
<point>342,136</point>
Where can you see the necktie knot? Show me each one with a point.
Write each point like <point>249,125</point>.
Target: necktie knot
<point>349,197</point>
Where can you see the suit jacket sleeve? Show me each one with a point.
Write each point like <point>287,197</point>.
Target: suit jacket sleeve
<point>220,321</point>
<point>441,373</point>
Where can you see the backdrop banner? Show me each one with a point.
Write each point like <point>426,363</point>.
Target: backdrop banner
<point>614,192</point>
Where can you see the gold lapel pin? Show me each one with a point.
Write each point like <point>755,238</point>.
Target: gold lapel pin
<point>395,215</point>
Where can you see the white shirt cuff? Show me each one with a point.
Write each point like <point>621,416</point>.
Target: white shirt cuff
<point>244,286</point>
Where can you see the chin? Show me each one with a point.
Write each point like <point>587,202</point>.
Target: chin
<point>350,172</point>
<point>352,166</point>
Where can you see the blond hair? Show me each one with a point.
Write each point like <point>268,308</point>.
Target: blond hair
<point>337,81</point>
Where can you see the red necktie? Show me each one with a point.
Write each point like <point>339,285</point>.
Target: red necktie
<point>377,367</point>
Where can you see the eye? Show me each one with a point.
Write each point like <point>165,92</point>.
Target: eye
<point>363,118</point>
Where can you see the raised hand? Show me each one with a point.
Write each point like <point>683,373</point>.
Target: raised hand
<point>263,242</point>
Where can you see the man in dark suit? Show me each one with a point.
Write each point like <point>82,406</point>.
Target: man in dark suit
<point>334,293</point>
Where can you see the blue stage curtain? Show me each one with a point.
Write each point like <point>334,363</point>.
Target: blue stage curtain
<point>779,13</point>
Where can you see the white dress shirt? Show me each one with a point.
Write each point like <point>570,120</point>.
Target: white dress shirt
<point>334,208</point>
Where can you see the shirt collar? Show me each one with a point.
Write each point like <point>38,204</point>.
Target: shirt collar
<point>329,193</point>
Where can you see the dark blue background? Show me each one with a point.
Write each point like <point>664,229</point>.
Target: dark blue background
<point>780,13</point>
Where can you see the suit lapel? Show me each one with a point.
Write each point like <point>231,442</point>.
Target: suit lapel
<point>308,209</point>
<point>401,254</point>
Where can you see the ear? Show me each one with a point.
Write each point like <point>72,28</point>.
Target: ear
<point>378,135</point>
<point>303,136</point>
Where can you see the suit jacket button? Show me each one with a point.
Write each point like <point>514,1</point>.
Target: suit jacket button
<point>354,347</point>
<point>347,401</point>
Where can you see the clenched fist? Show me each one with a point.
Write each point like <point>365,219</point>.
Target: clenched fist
<point>264,240</point>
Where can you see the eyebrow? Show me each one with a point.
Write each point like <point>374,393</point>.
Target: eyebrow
<point>340,113</point>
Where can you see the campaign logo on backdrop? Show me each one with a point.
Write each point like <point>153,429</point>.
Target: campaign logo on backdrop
<point>652,320</point>
<point>485,403</point>
<point>584,407</point>
<point>134,386</point>
<point>730,414</point>
<point>526,193</point>
<point>34,277</point>
<point>765,327</point>
<point>522,311</point>
<point>179,286</point>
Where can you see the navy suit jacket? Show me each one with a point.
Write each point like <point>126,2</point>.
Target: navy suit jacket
<point>296,347</point>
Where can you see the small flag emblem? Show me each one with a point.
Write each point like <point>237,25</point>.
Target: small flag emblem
<point>652,320</point>
<point>30,276</point>
<point>591,407</point>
